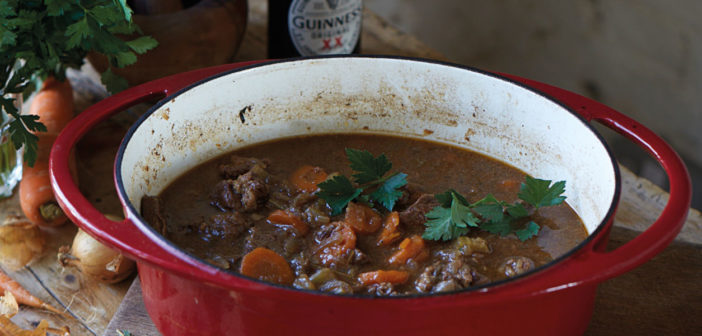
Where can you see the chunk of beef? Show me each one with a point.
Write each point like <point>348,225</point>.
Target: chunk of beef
<point>152,210</point>
<point>381,289</point>
<point>336,287</point>
<point>225,197</point>
<point>303,282</point>
<point>300,263</point>
<point>247,193</point>
<point>239,165</point>
<point>516,265</point>
<point>225,226</point>
<point>302,199</point>
<point>414,215</point>
<point>451,272</point>
<point>410,193</point>
<point>253,190</point>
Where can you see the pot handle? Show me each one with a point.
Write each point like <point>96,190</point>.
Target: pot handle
<point>594,266</point>
<point>123,235</point>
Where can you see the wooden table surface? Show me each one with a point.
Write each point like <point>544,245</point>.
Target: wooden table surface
<point>662,297</point>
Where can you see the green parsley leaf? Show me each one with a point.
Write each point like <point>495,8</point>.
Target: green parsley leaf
<point>369,173</point>
<point>6,10</point>
<point>490,208</point>
<point>77,32</point>
<point>57,7</point>
<point>338,192</point>
<point>125,58</point>
<point>142,44</point>
<point>368,168</point>
<point>387,194</point>
<point>448,223</point>
<point>440,225</point>
<point>541,193</point>
<point>502,227</point>
<point>20,135</point>
<point>112,82</point>
<point>124,333</point>
<point>126,11</point>
<point>530,230</point>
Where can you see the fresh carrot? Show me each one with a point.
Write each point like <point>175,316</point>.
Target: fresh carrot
<point>340,242</point>
<point>361,218</point>
<point>380,276</point>
<point>285,218</point>
<point>266,265</point>
<point>390,231</point>
<point>23,296</point>
<point>411,248</point>
<point>306,178</point>
<point>54,106</point>
<point>36,196</point>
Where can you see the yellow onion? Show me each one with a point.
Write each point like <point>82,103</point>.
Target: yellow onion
<point>95,259</point>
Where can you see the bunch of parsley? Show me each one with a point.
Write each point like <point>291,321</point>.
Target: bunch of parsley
<point>41,38</point>
<point>455,216</point>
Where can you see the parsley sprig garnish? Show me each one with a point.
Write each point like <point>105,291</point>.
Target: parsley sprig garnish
<point>372,182</point>
<point>41,38</point>
<point>455,215</point>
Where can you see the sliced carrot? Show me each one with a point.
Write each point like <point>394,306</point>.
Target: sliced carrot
<point>411,248</point>
<point>362,218</point>
<point>341,241</point>
<point>380,276</point>
<point>23,296</point>
<point>285,218</point>
<point>390,231</point>
<point>510,185</point>
<point>306,178</point>
<point>266,265</point>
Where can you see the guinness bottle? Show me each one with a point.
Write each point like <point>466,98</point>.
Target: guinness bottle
<point>313,27</point>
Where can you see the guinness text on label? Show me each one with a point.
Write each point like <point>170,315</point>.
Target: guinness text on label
<point>322,27</point>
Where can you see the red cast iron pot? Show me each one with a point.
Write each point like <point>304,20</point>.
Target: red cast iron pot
<point>538,128</point>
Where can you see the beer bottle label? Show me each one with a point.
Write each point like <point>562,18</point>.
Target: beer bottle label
<point>323,27</point>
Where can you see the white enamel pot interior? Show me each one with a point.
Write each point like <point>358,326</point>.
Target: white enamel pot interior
<point>404,97</point>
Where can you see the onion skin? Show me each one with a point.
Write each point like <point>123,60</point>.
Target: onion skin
<point>95,260</point>
<point>21,242</point>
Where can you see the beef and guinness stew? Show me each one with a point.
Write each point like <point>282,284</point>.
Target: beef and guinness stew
<point>366,214</point>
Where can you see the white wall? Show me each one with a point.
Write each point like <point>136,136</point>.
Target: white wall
<point>642,57</point>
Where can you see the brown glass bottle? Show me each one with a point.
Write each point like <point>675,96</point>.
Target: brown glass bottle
<point>314,27</point>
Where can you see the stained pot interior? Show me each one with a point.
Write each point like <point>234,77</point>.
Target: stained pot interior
<point>378,95</point>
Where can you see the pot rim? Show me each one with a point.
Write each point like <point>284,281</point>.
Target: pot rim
<point>161,241</point>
